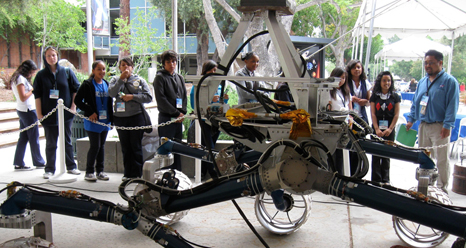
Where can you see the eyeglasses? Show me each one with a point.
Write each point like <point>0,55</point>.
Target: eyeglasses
<point>430,63</point>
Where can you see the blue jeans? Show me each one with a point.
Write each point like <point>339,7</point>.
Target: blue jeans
<point>51,138</point>
<point>32,136</point>
<point>96,152</point>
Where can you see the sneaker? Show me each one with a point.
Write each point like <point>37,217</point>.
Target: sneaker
<point>102,176</point>
<point>90,177</point>
<point>124,179</point>
<point>42,166</point>
<point>23,168</point>
<point>444,190</point>
<point>74,172</point>
<point>48,175</point>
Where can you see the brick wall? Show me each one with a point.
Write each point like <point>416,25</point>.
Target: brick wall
<point>22,50</point>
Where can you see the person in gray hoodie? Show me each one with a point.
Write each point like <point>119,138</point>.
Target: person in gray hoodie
<point>172,101</point>
<point>130,92</point>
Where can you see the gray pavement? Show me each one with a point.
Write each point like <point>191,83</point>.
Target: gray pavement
<point>332,223</point>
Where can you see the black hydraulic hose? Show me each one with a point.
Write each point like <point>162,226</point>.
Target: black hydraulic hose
<point>204,126</point>
<point>249,224</point>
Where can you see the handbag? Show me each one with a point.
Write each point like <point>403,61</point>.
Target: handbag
<point>147,121</point>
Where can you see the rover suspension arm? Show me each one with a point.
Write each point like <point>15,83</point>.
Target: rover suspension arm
<point>70,205</point>
<point>417,156</point>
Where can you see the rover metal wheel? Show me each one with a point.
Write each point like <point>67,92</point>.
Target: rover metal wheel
<point>417,235</point>
<point>184,183</point>
<point>283,222</point>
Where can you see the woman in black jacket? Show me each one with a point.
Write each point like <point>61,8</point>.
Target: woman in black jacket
<point>93,99</point>
<point>50,84</point>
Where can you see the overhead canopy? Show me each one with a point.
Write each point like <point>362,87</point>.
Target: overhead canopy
<point>408,18</point>
<point>404,18</point>
<point>411,48</point>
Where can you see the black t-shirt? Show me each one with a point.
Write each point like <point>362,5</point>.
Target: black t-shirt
<point>385,109</point>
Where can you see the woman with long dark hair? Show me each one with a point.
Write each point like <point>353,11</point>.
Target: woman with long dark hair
<point>340,97</point>
<point>360,95</point>
<point>359,87</point>
<point>92,98</point>
<point>26,109</point>
<point>385,109</point>
<point>340,100</point>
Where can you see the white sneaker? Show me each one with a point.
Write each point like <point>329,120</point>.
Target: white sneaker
<point>74,172</point>
<point>102,176</point>
<point>48,175</point>
<point>90,177</point>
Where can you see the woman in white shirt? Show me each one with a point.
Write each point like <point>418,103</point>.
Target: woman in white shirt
<point>340,100</point>
<point>360,89</point>
<point>26,110</point>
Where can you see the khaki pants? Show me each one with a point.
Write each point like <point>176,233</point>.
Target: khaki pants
<point>429,135</point>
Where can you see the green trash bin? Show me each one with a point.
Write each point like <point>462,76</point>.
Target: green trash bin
<point>77,132</point>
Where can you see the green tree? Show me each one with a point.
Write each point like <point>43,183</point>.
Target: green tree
<point>59,25</point>
<point>416,70</point>
<point>143,42</point>
<point>402,69</point>
<point>49,22</point>
<point>393,39</point>
<point>15,22</point>
<point>191,13</point>
<point>459,57</point>
<point>329,20</point>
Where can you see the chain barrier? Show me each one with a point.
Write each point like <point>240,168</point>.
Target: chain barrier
<point>35,123</point>
<point>125,128</point>
<point>97,122</point>
<point>179,119</point>
<point>425,148</point>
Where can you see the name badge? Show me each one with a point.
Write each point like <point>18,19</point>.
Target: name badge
<point>383,124</point>
<point>424,101</point>
<point>349,121</point>
<point>54,94</point>
<point>120,106</point>
<point>102,114</point>
<point>179,103</point>
<point>357,108</point>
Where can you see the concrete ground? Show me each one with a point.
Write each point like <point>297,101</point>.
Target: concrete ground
<point>332,223</point>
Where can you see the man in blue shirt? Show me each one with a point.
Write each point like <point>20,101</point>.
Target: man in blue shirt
<point>435,104</point>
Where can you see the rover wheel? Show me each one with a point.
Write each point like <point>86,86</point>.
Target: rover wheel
<point>417,235</point>
<point>283,222</point>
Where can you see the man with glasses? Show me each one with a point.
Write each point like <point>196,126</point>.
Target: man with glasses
<point>435,104</point>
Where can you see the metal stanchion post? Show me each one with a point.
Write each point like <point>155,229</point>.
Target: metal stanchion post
<point>197,166</point>
<point>346,163</point>
<point>60,174</point>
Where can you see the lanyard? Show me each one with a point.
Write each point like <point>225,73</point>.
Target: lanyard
<point>428,87</point>
<point>342,99</point>
<point>101,91</point>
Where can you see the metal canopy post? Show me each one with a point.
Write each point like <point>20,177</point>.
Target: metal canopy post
<point>289,59</point>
